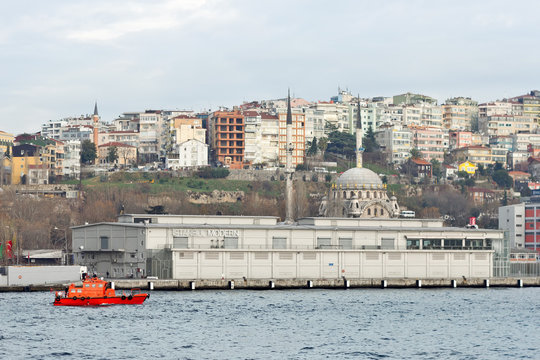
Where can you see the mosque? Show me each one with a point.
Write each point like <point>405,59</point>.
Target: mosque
<point>359,192</point>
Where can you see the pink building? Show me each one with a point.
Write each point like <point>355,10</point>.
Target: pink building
<point>459,139</point>
<point>431,142</point>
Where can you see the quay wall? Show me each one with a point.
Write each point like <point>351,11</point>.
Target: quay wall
<point>283,284</point>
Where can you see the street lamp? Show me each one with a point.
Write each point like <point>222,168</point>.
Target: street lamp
<point>66,245</point>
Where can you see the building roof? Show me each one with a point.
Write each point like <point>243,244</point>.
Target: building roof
<point>420,161</point>
<point>518,173</point>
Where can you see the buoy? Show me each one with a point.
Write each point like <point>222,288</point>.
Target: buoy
<point>418,283</point>
<point>231,284</point>
<point>271,284</point>
<point>384,284</point>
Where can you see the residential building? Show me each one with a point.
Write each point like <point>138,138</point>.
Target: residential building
<point>314,123</point>
<point>411,99</point>
<point>460,114</point>
<point>449,171</point>
<point>512,220</point>
<point>227,138</point>
<point>261,133</point>
<point>431,142</point>
<point>522,140</point>
<point>24,158</point>
<point>480,155</point>
<point>531,104</point>
<point>501,141</point>
<point>468,167</point>
<point>187,127</point>
<point>517,160</point>
<point>459,139</point>
<point>298,137</point>
<point>396,142</point>
<point>76,133</point>
<point>125,137</point>
<point>419,168</point>
<point>190,153</point>
<point>72,159</point>
<point>521,221</point>
<point>126,154</point>
<point>150,135</point>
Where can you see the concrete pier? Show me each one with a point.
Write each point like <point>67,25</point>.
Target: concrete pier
<point>283,284</point>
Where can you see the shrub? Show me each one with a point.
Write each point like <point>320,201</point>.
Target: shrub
<point>213,173</point>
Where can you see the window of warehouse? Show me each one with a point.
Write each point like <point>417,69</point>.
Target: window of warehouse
<point>279,242</point>
<point>180,242</point>
<point>230,243</point>
<point>324,243</point>
<point>387,243</point>
<point>345,243</point>
<point>104,242</point>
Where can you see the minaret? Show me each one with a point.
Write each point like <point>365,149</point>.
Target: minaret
<point>95,118</point>
<point>359,135</point>
<point>289,171</point>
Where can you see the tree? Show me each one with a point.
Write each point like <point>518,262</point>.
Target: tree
<point>369,143</point>
<point>323,144</point>
<point>312,150</point>
<point>112,155</point>
<point>502,178</point>
<point>415,153</point>
<point>341,143</point>
<point>436,168</point>
<point>88,152</point>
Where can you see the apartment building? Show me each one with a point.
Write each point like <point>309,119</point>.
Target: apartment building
<point>124,137</point>
<point>151,127</point>
<point>227,138</point>
<point>430,141</point>
<point>298,137</point>
<point>460,114</point>
<point>459,139</point>
<point>396,142</point>
<point>531,104</point>
<point>481,155</point>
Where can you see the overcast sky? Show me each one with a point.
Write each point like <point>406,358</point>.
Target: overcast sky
<point>58,57</point>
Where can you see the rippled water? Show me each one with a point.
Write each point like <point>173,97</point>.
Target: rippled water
<point>296,324</point>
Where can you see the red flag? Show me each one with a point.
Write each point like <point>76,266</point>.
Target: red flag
<point>9,252</point>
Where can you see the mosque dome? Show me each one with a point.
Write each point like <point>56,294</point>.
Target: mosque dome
<point>359,177</point>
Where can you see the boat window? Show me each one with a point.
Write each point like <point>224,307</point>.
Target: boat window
<point>87,285</point>
<point>100,285</point>
<point>79,290</point>
<point>72,290</point>
<point>93,285</point>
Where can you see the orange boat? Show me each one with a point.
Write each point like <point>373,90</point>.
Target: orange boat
<point>97,292</point>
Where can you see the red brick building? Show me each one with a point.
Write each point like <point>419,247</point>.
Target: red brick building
<point>227,138</point>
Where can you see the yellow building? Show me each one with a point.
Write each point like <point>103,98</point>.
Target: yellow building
<point>468,167</point>
<point>6,141</point>
<point>24,158</point>
<point>480,155</point>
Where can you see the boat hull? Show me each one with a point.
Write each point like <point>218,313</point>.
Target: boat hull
<point>136,299</point>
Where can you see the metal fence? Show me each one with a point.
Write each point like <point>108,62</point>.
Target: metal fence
<point>524,269</point>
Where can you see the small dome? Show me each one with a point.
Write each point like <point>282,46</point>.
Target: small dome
<point>359,177</point>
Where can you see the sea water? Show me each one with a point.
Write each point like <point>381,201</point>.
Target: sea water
<point>457,323</point>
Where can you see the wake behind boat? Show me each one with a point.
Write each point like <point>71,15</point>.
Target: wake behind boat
<point>97,292</point>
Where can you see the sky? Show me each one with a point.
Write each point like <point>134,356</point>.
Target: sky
<point>58,57</point>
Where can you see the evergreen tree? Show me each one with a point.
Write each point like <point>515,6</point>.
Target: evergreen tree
<point>312,150</point>
<point>88,152</point>
<point>369,143</point>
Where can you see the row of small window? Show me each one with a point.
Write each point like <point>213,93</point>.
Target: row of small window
<point>449,244</point>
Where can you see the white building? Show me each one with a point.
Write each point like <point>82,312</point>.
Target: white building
<point>72,162</point>
<point>236,247</point>
<point>512,219</point>
<point>396,142</point>
<point>191,153</point>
